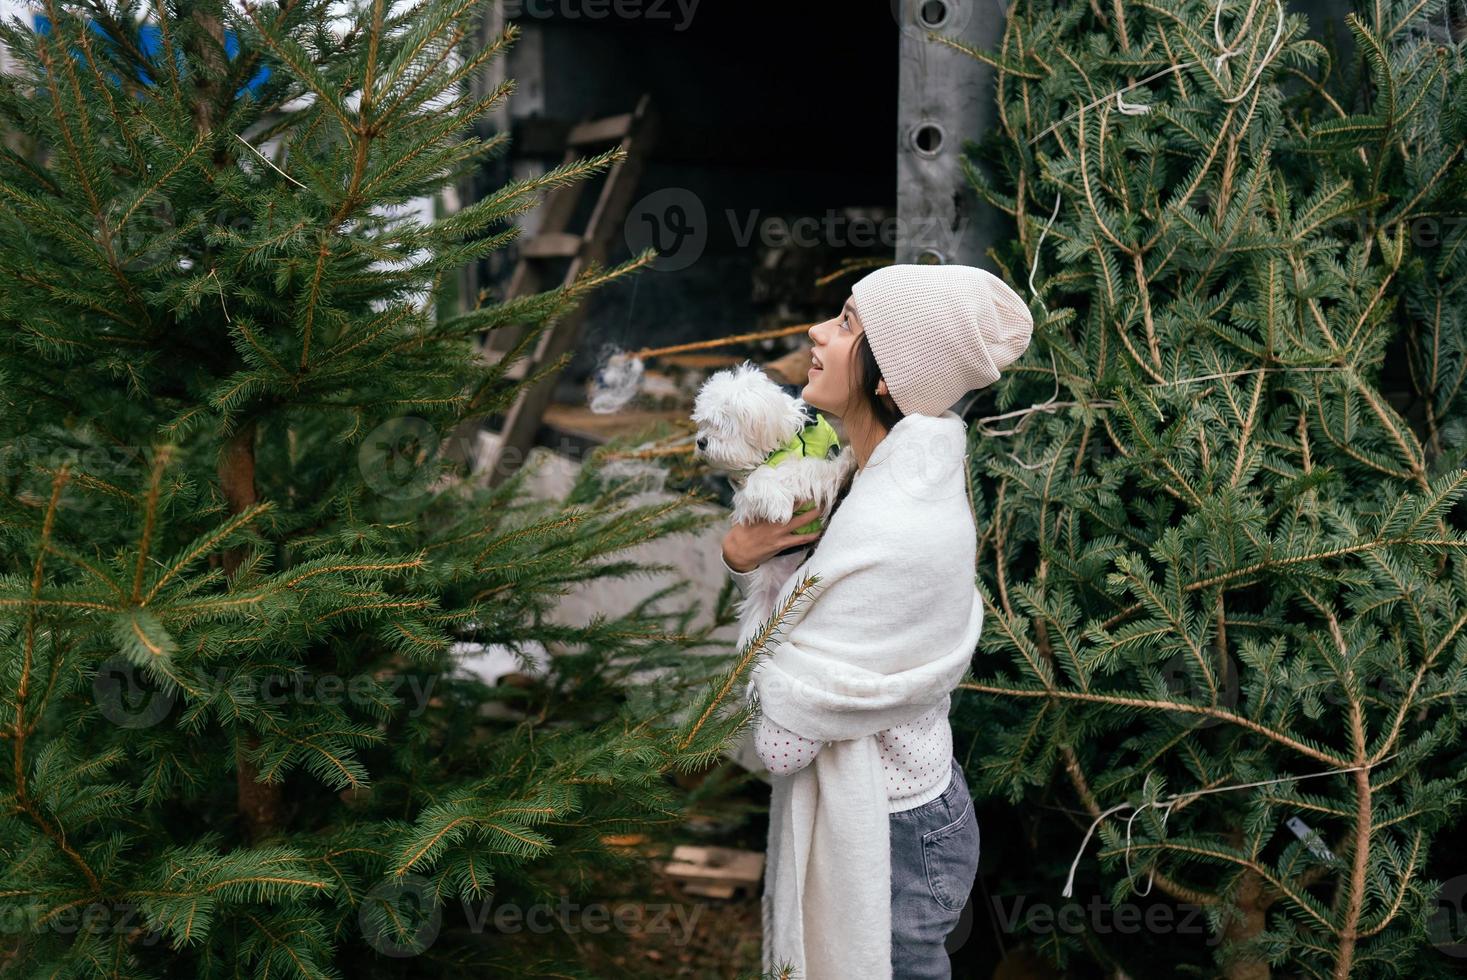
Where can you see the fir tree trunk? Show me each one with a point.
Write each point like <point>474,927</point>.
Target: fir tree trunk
<point>1251,906</point>
<point>259,803</point>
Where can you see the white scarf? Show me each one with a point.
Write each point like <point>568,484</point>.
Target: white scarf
<point>889,631</point>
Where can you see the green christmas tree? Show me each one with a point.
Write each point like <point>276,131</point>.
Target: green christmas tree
<point>1219,527</point>
<point>237,562</point>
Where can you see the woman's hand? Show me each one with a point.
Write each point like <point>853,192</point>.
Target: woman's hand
<point>746,546</point>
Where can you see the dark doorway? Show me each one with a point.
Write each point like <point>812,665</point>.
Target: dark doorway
<point>776,150</point>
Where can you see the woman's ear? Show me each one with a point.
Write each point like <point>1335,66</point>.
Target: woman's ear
<point>881,387</point>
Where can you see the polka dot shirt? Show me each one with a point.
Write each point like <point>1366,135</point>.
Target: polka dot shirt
<point>917,757</point>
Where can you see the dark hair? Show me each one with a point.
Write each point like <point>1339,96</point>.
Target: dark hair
<point>882,408</point>
<point>867,374</point>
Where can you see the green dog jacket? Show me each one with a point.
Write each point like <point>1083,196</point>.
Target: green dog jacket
<point>816,439</point>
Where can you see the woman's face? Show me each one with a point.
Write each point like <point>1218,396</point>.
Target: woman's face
<point>832,379</point>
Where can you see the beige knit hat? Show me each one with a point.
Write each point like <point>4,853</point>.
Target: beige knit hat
<point>940,331</point>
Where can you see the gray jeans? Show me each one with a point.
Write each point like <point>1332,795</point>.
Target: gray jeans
<point>934,862</point>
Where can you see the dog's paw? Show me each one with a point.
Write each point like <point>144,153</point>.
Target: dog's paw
<point>754,511</point>
<point>764,498</point>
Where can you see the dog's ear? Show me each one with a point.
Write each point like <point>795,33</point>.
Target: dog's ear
<point>778,416</point>
<point>710,392</point>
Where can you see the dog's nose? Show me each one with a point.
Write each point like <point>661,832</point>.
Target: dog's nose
<point>702,444</point>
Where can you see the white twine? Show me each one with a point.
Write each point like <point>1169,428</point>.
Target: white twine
<point>1034,265</point>
<point>1139,109</point>
<point>1133,109</point>
<point>270,162</point>
<point>1166,808</point>
<point>214,274</point>
<point>1222,59</point>
<point>1051,402</point>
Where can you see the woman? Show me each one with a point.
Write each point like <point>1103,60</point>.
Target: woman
<point>873,842</point>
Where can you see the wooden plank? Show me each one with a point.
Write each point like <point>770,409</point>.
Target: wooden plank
<point>578,420</point>
<point>715,865</point>
<point>552,245</point>
<point>606,130</point>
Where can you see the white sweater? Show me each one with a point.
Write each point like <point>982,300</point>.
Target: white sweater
<point>884,636</point>
<point>915,757</point>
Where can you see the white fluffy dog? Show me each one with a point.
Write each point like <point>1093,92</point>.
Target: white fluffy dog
<point>743,418</point>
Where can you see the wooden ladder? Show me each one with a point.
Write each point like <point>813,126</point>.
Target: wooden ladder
<point>635,132</point>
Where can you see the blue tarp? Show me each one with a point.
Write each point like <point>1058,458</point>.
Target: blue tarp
<point>150,41</point>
